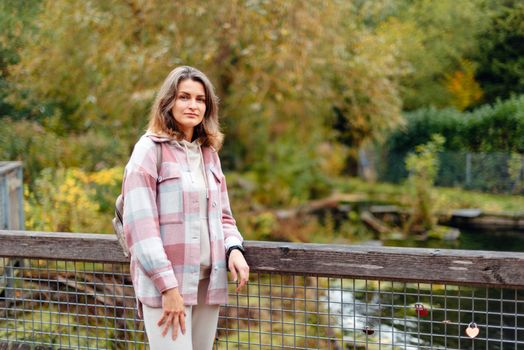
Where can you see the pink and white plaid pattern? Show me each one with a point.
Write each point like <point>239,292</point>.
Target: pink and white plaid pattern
<point>164,252</point>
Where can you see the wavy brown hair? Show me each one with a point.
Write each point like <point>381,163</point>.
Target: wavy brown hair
<point>161,120</point>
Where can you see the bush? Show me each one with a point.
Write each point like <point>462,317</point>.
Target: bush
<point>423,166</point>
<point>39,148</point>
<point>491,133</point>
<point>497,127</point>
<point>71,200</point>
<point>287,177</point>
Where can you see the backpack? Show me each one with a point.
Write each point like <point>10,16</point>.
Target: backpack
<point>118,220</point>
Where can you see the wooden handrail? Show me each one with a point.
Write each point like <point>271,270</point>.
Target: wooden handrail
<point>441,266</point>
<point>8,166</point>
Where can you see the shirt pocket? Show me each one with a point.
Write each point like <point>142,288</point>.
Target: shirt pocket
<point>216,193</point>
<point>170,194</point>
<point>217,176</point>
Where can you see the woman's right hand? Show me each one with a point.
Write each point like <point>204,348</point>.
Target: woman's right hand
<point>174,312</point>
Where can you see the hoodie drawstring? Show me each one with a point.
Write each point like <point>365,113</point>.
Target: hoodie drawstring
<point>187,163</point>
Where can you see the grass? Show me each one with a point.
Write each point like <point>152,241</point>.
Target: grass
<point>445,198</point>
<point>312,229</point>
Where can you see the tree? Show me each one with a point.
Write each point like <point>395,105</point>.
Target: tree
<point>280,68</point>
<point>15,24</point>
<point>436,37</point>
<point>501,55</point>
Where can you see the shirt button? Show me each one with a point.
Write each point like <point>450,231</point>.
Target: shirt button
<point>214,204</point>
<point>160,178</point>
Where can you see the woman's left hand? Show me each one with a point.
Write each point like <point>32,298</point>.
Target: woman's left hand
<point>239,268</point>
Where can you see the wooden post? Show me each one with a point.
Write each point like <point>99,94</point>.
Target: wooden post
<point>468,168</point>
<point>11,216</point>
<point>11,196</point>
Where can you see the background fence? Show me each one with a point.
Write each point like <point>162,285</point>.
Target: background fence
<point>496,172</point>
<point>73,292</point>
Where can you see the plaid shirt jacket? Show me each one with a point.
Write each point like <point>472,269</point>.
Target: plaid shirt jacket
<point>157,210</point>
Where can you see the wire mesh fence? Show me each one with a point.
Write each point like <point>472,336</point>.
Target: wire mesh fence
<point>58,304</point>
<point>495,172</point>
<point>69,305</point>
<point>308,312</point>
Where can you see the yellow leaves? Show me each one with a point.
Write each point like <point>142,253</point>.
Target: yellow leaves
<point>465,90</point>
<point>106,177</point>
<point>332,158</point>
<point>73,192</point>
<point>70,200</point>
<point>79,175</point>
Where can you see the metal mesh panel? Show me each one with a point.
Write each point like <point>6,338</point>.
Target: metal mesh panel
<point>307,312</point>
<point>68,305</point>
<point>495,172</point>
<point>64,305</point>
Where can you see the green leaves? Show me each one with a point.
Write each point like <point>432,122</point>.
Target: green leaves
<point>423,167</point>
<point>501,54</point>
<point>290,73</point>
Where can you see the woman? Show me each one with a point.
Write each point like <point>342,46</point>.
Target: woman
<point>177,219</point>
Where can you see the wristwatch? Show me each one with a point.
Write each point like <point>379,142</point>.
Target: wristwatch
<point>238,247</point>
<point>235,247</point>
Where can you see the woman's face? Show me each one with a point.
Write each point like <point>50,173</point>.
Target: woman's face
<point>190,106</point>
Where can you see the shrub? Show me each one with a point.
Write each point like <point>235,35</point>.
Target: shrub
<point>39,148</point>
<point>491,133</point>
<point>71,200</point>
<point>423,167</point>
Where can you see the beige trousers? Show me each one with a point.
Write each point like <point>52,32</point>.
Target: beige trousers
<point>201,325</point>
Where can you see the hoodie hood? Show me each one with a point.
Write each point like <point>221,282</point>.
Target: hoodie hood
<point>162,137</point>
<point>156,137</point>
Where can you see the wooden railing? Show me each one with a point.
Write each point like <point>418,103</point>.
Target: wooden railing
<point>308,296</point>
<point>459,267</point>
